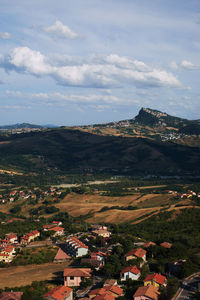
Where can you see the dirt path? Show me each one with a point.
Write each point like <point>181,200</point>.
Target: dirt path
<point>24,275</point>
<point>69,185</point>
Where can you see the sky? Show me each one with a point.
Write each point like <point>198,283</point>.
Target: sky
<point>81,62</point>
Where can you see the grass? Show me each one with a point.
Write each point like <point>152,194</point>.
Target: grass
<point>25,275</point>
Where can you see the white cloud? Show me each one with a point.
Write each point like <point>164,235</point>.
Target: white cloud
<point>29,60</point>
<point>5,35</point>
<point>188,65</point>
<point>111,71</point>
<point>125,62</point>
<point>173,65</point>
<point>61,30</point>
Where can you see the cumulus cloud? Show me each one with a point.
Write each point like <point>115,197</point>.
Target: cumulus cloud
<point>61,30</point>
<point>125,62</point>
<point>188,65</point>
<point>184,64</point>
<point>110,71</point>
<point>5,35</point>
<point>29,60</point>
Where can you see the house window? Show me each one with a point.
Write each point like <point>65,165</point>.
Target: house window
<point>71,277</point>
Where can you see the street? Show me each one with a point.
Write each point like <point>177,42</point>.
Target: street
<point>189,288</point>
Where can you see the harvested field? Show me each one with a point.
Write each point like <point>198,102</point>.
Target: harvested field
<point>24,275</point>
<point>77,205</point>
<point>120,216</point>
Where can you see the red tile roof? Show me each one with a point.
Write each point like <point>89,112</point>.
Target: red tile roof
<point>100,291</point>
<point>56,228</point>
<point>77,272</point>
<point>107,290</point>
<point>149,291</point>
<point>139,252</point>
<point>166,245</point>
<point>132,269</point>
<point>61,255</point>
<point>104,297</point>
<point>116,290</point>
<point>148,244</point>
<point>73,240</point>
<point>59,292</point>
<point>156,277</point>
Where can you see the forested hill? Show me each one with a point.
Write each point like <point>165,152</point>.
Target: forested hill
<point>75,151</point>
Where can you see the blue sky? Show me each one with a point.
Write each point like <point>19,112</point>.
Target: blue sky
<point>93,61</point>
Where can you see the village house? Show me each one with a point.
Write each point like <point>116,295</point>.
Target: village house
<point>136,253</point>
<point>5,258</point>
<point>130,272</point>
<point>96,260</point>
<point>114,291</point>
<point>148,244</point>
<point>11,237</point>
<point>61,256</point>
<point>9,250</point>
<point>97,227</point>
<point>110,282</point>
<point>166,245</point>
<point>101,232</point>
<point>7,254</point>
<point>4,243</point>
<point>98,256</point>
<point>47,227</point>
<point>60,293</point>
<point>74,276</point>
<point>149,292</point>
<point>155,280</point>
<point>58,231</point>
<point>29,237</point>
<point>13,193</point>
<point>57,223</point>
<point>75,247</point>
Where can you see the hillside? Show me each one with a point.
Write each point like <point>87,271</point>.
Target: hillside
<point>152,124</point>
<point>20,126</point>
<point>68,150</point>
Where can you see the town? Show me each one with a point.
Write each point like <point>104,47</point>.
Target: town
<point>100,261</point>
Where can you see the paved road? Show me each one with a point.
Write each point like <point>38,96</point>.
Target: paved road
<point>189,288</point>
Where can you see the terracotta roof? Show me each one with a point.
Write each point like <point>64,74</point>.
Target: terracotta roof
<point>56,228</point>
<point>166,245</point>
<point>77,272</point>
<point>107,290</point>
<point>35,232</point>
<point>48,226</point>
<point>100,291</point>
<point>59,292</point>
<point>104,297</point>
<point>139,252</point>
<point>11,295</point>
<point>73,240</point>
<point>110,282</point>
<point>132,269</point>
<point>61,255</point>
<point>11,236</point>
<point>148,244</point>
<point>116,290</point>
<point>156,277</point>
<point>9,248</point>
<point>149,291</point>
